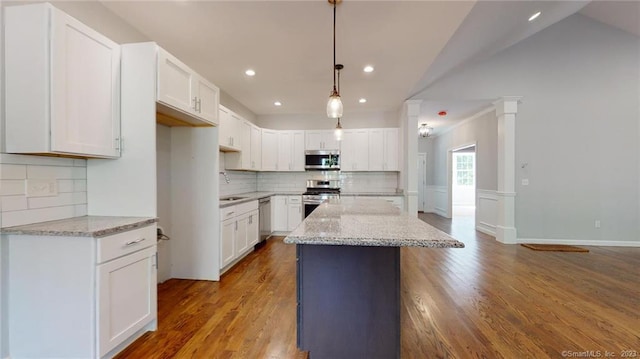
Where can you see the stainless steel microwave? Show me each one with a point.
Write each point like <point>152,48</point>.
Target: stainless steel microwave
<point>321,160</point>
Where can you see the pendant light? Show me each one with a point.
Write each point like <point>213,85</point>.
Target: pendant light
<point>334,106</point>
<point>424,130</point>
<point>337,133</point>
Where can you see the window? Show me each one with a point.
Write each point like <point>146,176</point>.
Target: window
<point>465,172</point>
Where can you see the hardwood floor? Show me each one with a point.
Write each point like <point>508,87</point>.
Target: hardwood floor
<point>487,300</point>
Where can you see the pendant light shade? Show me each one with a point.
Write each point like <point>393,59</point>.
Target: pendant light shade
<point>334,106</point>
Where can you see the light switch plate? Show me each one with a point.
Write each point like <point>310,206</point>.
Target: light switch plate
<point>41,187</point>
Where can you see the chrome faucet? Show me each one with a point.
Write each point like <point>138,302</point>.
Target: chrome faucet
<point>226,177</point>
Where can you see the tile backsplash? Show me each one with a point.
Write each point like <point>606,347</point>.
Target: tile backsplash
<point>69,176</point>
<point>239,182</point>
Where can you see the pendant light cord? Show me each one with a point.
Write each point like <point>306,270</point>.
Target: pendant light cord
<point>334,45</point>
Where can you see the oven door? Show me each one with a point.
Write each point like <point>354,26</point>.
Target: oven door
<point>309,207</point>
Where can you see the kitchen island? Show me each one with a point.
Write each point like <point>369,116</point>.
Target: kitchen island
<point>348,276</point>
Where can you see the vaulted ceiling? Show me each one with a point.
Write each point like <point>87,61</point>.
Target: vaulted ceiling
<point>411,44</point>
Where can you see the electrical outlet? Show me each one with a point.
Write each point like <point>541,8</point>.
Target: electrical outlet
<point>597,223</point>
<point>41,187</point>
<point>525,181</point>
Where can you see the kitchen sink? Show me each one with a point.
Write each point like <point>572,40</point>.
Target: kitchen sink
<point>232,198</point>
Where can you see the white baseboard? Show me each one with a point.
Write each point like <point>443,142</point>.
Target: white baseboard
<point>486,228</point>
<point>441,212</point>
<point>579,242</point>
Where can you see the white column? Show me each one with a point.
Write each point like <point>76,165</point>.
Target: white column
<point>506,109</point>
<point>411,112</point>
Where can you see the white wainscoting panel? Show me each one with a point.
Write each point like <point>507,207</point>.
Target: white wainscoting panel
<point>430,199</point>
<point>441,200</point>
<point>486,211</point>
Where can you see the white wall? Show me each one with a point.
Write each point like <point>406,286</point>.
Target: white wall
<point>163,189</point>
<point>321,122</point>
<point>577,130</point>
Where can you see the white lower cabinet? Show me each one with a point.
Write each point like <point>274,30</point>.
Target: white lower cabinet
<point>239,232</point>
<point>79,297</point>
<point>287,213</point>
<point>126,297</point>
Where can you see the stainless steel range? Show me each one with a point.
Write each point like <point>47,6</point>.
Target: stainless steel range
<point>319,191</point>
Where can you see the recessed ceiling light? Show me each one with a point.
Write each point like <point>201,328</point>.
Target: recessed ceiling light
<point>277,103</point>
<point>362,100</point>
<point>368,68</point>
<point>250,72</point>
<point>535,16</point>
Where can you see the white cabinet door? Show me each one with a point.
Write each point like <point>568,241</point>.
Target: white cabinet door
<point>241,239</point>
<point>391,144</point>
<point>330,142</point>
<point>269,150</point>
<point>175,83</point>
<point>256,148</point>
<point>354,155</point>
<point>321,140</point>
<point>245,144</point>
<point>279,213</point>
<point>127,297</point>
<point>62,85</point>
<point>376,150</point>
<point>297,151</point>
<point>253,230</point>
<point>208,98</point>
<point>227,240</point>
<point>294,212</point>
<point>284,151</point>
<point>184,90</point>
<point>229,131</point>
<point>313,140</point>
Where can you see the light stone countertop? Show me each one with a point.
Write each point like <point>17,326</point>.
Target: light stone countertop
<point>372,194</point>
<point>367,222</point>
<point>86,226</point>
<point>253,196</point>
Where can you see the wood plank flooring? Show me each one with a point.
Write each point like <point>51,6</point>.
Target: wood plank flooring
<point>487,300</point>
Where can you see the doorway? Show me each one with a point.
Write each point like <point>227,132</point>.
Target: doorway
<point>463,185</point>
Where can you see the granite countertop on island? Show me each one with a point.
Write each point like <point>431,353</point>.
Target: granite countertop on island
<point>86,226</point>
<point>367,222</point>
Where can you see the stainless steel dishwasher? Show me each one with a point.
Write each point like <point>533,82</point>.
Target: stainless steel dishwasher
<point>264,212</point>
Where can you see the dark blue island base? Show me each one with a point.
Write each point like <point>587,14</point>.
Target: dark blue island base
<point>348,301</point>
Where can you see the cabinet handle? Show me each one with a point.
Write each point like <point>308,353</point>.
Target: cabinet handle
<point>199,105</point>
<point>236,226</point>
<point>195,104</point>
<point>134,242</point>
<point>230,213</point>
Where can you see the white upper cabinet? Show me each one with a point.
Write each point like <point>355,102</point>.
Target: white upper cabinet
<point>62,83</point>
<point>256,148</point>
<point>354,155</point>
<point>321,140</point>
<point>383,149</point>
<point>230,130</point>
<point>282,150</point>
<point>391,149</point>
<point>269,150</point>
<point>184,94</point>
<point>250,140</point>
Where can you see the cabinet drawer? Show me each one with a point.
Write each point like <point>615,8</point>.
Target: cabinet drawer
<point>228,212</point>
<point>120,244</point>
<point>246,207</point>
<point>295,199</point>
